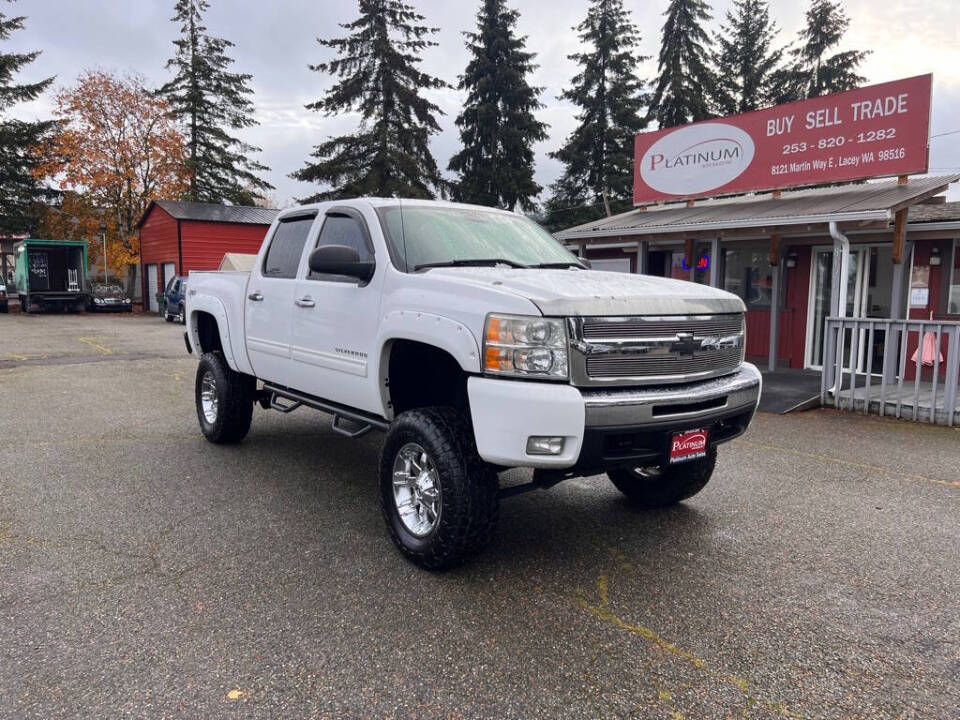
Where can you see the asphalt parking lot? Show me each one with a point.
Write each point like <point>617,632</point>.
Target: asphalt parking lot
<point>147,573</point>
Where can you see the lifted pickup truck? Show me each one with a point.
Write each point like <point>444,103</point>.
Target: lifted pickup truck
<point>477,343</point>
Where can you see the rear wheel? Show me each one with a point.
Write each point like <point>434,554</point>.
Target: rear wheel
<point>224,400</point>
<point>663,485</point>
<point>439,499</point>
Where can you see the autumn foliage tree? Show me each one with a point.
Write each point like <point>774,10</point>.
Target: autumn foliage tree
<point>116,150</point>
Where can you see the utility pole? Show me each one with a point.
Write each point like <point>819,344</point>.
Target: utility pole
<point>103,236</point>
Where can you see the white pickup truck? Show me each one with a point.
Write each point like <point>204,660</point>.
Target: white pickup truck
<point>477,343</point>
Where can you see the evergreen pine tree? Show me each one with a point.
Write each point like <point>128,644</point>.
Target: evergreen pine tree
<point>377,63</point>
<point>497,125</point>
<point>598,154</point>
<point>684,83</point>
<point>814,71</point>
<point>209,101</point>
<point>745,61</point>
<point>20,191</point>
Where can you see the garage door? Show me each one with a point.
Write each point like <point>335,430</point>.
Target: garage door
<point>169,270</point>
<point>152,288</point>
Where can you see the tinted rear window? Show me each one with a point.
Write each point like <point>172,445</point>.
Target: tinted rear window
<point>286,248</point>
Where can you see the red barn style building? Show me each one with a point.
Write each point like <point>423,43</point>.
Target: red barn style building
<point>177,237</point>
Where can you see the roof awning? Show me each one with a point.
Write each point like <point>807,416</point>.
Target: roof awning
<point>865,204</point>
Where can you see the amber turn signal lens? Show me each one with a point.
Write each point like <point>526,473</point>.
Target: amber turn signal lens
<point>493,331</point>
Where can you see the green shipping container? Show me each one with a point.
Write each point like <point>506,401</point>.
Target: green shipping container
<point>51,274</point>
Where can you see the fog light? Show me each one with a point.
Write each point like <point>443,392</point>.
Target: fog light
<point>542,445</point>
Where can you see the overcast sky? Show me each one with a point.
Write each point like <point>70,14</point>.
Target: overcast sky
<point>276,40</point>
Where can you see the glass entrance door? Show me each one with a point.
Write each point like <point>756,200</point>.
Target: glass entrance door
<point>869,293</point>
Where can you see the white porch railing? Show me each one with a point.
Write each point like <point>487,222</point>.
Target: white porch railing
<point>850,380</point>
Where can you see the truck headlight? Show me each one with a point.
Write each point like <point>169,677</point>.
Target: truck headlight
<point>527,346</point>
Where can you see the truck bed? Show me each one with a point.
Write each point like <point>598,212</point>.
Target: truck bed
<point>221,293</point>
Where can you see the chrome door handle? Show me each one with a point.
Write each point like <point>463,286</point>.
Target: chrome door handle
<point>256,296</point>
<point>305,301</point>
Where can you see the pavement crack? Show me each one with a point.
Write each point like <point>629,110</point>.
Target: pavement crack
<point>602,611</point>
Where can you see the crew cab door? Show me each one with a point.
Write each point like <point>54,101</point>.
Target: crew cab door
<point>335,320</point>
<point>270,295</point>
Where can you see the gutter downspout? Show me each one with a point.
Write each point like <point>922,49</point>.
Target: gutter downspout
<point>838,299</point>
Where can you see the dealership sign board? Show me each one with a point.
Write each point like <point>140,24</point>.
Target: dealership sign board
<point>876,131</point>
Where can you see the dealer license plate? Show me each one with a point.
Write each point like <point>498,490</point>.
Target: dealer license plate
<point>688,445</point>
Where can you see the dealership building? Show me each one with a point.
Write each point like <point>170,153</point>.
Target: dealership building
<point>777,251</point>
<point>715,206</point>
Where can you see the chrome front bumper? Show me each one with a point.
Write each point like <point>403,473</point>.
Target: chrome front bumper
<point>656,406</point>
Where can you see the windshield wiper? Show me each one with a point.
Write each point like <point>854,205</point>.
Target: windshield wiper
<point>570,264</point>
<point>477,262</point>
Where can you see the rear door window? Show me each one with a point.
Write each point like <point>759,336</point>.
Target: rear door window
<point>286,247</point>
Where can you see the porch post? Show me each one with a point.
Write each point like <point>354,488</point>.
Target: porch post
<point>643,257</point>
<point>715,261</point>
<point>774,311</point>
<point>838,284</point>
<point>898,311</point>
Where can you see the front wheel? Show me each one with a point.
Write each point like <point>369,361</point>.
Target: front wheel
<point>183,316</point>
<point>663,485</point>
<point>224,400</point>
<point>439,499</point>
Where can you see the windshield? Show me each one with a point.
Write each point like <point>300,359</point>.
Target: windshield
<point>439,236</point>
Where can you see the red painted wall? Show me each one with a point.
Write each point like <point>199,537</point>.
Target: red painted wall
<point>758,335</point>
<point>796,300</point>
<point>205,243</point>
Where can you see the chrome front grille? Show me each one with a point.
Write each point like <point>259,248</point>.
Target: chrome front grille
<point>651,350</point>
<point>635,328</point>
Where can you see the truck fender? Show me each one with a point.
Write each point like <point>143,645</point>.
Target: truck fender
<point>441,332</point>
<point>208,304</point>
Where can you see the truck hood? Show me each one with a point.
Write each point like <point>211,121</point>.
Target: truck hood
<point>593,293</point>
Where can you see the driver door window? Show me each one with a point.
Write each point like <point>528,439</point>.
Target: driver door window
<point>343,230</point>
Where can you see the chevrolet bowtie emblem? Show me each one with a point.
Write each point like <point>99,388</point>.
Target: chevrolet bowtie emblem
<point>685,344</point>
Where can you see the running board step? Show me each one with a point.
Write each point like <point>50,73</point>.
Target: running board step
<point>342,426</point>
<point>363,421</point>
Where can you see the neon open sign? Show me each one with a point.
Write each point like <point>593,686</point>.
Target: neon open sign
<point>702,264</point>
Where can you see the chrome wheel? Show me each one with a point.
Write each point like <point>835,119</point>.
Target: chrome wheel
<point>416,489</point>
<point>208,397</point>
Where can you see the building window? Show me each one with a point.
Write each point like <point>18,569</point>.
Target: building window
<point>621,265</point>
<point>953,304</point>
<point>747,274</point>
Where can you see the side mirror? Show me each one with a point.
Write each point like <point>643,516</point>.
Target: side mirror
<point>341,260</point>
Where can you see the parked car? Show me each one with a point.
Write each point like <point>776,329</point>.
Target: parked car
<point>4,303</point>
<point>175,300</point>
<point>108,298</point>
<point>477,343</point>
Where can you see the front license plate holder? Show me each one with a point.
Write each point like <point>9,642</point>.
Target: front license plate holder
<point>688,445</point>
